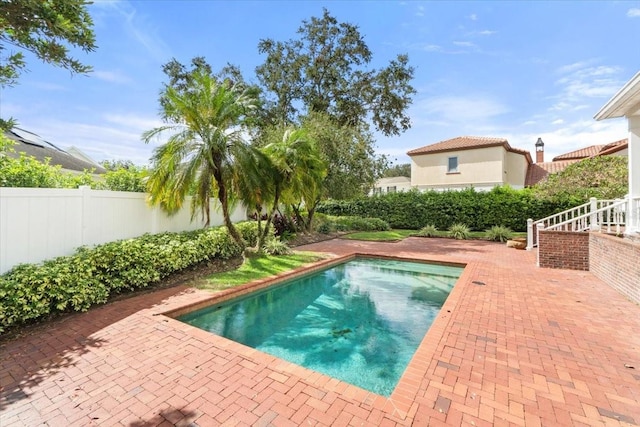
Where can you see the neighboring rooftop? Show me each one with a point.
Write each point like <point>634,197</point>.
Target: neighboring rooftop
<point>538,171</point>
<point>394,180</point>
<point>33,145</point>
<point>468,143</point>
<point>594,151</point>
<point>582,153</point>
<point>614,147</point>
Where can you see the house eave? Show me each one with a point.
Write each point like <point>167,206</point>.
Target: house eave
<point>625,103</point>
<point>450,150</point>
<point>503,144</point>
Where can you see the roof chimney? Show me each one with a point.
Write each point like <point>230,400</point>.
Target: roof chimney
<point>539,151</point>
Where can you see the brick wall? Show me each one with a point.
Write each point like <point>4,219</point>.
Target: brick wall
<point>616,261</point>
<point>564,249</point>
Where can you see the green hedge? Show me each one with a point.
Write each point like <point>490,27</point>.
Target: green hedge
<point>479,210</point>
<point>328,223</point>
<point>356,223</point>
<point>91,275</point>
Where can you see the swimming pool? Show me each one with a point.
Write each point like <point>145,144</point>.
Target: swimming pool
<point>360,321</point>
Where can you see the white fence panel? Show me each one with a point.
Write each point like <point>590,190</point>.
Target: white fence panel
<point>41,223</point>
<point>114,215</point>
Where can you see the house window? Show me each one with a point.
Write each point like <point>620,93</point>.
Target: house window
<point>377,190</point>
<point>391,189</point>
<point>452,166</point>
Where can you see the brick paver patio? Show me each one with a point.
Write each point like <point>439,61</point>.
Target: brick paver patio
<point>526,346</point>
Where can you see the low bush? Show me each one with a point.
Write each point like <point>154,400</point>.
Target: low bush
<point>499,233</point>
<point>92,275</point>
<point>283,225</point>
<point>276,247</point>
<point>459,231</point>
<point>428,231</point>
<point>325,227</point>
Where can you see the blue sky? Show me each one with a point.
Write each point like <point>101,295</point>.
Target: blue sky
<point>519,70</point>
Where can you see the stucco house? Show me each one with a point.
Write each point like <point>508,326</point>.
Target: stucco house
<point>484,163</point>
<point>391,185</point>
<point>469,161</point>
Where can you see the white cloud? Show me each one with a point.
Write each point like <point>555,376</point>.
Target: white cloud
<point>486,32</point>
<point>473,17</point>
<point>48,86</point>
<point>453,110</point>
<point>583,83</point>
<point>464,44</point>
<point>138,123</point>
<point>111,76</point>
<point>572,136</point>
<point>634,12</point>
<point>116,136</point>
<point>420,11</point>
<point>557,122</point>
<point>569,68</point>
<point>430,47</point>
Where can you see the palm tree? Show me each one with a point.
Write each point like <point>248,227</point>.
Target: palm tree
<point>289,171</point>
<point>205,121</point>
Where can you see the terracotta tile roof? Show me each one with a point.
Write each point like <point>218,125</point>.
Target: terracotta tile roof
<point>582,153</point>
<point>467,143</point>
<point>538,171</point>
<point>613,147</point>
<point>459,143</point>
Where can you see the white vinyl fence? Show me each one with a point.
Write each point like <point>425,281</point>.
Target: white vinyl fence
<point>42,223</point>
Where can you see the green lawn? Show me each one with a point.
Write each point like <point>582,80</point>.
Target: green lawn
<point>479,235</point>
<point>394,235</point>
<point>255,268</point>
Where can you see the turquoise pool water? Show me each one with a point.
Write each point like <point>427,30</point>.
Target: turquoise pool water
<point>360,322</point>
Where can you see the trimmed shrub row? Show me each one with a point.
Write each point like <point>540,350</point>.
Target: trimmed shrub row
<point>91,275</point>
<point>479,210</point>
<point>327,224</point>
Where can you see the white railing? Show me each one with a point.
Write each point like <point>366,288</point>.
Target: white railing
<point>596,215</point>
<point>633,222</point>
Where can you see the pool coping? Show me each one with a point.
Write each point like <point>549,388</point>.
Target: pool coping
<point>403,401</point>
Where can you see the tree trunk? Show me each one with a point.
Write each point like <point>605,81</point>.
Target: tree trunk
<point>301,225</point>
<point>310,212</point>
<point>224,201</point>
<point>263,236</point>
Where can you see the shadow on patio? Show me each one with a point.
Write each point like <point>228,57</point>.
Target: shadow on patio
<point>40,351</point>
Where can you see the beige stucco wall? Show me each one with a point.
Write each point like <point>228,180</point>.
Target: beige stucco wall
<point>482,168</point>
<point>382,185</point>
<point>515,170</point>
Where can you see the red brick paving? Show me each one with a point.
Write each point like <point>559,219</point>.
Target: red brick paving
<point>530,347</point>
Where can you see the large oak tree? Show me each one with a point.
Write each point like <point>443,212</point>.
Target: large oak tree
<point>46,28</point>
<point>326,70</point>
